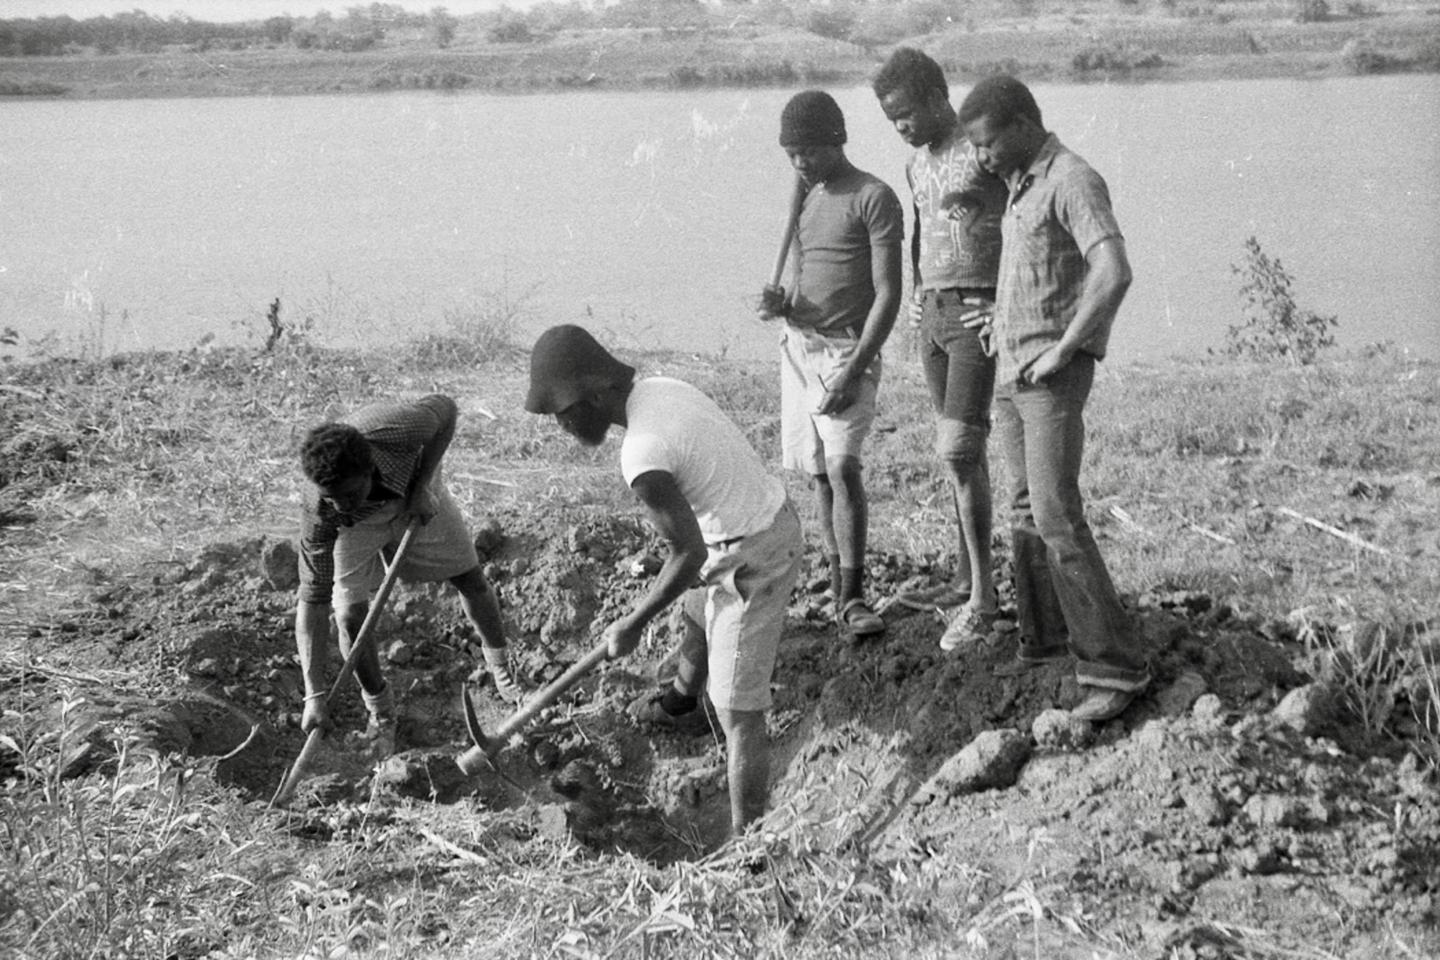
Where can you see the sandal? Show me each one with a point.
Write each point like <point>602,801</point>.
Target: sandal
<point>857,617</point>
<point>969,627</point>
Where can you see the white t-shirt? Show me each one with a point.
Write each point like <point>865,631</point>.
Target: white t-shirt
<point>672,426</point>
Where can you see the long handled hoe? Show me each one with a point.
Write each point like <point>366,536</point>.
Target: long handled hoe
<point>797,200</point>
<point>372,616</point>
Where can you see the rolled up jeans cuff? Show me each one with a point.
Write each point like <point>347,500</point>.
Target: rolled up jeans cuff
<point>1111,678</point>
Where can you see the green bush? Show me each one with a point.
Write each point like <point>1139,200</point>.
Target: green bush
<point>1312,11</point>
<point>1275,326</point>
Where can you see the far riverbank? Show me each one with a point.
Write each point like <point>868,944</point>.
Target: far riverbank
<point>1099,46</point>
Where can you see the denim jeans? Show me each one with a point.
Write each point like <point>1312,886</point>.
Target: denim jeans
<point>1041,429</point>
<point>960,376</point>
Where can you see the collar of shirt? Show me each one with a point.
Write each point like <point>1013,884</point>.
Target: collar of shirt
<point>1039,167</point>
<point>380,494</point>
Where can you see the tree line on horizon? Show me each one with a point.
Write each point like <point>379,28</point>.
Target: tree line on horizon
<point>362,27</point>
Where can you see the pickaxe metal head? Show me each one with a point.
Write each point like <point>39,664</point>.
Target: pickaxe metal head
<point>473,760</point>
<point>476,758</point>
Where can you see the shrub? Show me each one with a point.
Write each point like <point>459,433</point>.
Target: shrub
<point>442,27</point>
<point>1113,59</point>
<point>881,24</point>
<point>686,75</point>
<point>474,333</point>
<point>834,23</point>
<point>1360,58</point>
<point>512,30</point>
<point>1275,326</point>
<point>1427,57</point>
<point>1312,11</point>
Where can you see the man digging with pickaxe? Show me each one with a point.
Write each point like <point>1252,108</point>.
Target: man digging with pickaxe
<point>729,525</point>
<point>372,473</point>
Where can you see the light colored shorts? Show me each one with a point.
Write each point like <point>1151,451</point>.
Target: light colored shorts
<point>808,362</point>
<point>440,549</point>
<point>747,586</point>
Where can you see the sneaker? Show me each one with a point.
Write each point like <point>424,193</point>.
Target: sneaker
<point>647,711</point>
<point>940,596</point>
<point>968,628</point>
<point>1102,703</point>
<point>857,618</point>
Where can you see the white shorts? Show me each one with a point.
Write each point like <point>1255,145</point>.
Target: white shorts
<point>747,585</point>
<point>808,363</point>
<point>440,549</point>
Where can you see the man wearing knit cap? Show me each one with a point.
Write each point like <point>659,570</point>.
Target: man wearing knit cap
<point>730,527</point>
<point>837,315</point>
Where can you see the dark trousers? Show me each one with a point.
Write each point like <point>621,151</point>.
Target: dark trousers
<point>1058,567</point>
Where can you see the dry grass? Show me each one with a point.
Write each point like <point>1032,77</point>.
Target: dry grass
<point>151,456</point>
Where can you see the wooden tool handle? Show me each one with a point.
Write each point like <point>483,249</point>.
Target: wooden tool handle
<point>792,220</point>
<point>372,616</point>
<point>551,693</point>
<point>473,759</point>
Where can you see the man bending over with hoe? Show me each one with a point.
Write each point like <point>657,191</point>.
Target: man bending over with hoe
<point>729,525</point>
<point>372,474</point>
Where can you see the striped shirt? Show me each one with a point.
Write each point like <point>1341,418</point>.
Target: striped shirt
<point>397,434</point>
<point>1059,209</point>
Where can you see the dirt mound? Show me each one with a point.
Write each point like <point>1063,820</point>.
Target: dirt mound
<point>1235,786</point>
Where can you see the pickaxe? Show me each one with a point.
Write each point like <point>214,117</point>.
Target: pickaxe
<point>473,760</point>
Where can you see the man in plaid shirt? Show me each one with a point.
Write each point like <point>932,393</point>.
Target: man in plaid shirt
<point>372,472</point>
<point>1063,274</point>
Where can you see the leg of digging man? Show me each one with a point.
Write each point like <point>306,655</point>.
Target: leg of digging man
<point>748,765</point>
<point>482,609</point>
<point>749,590</point>
<point>379,700</point>
<point>674,705</point>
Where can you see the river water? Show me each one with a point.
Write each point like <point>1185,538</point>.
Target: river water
<point>654,217</point>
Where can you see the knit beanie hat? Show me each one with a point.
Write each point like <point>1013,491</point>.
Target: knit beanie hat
<point>812,118</point>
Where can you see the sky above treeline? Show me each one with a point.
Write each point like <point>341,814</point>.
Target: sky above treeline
<point>225,11</point>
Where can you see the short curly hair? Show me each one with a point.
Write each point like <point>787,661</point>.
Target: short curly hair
<point>333,453</point>
<point>914,72</point>
<point>1002,100</point>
